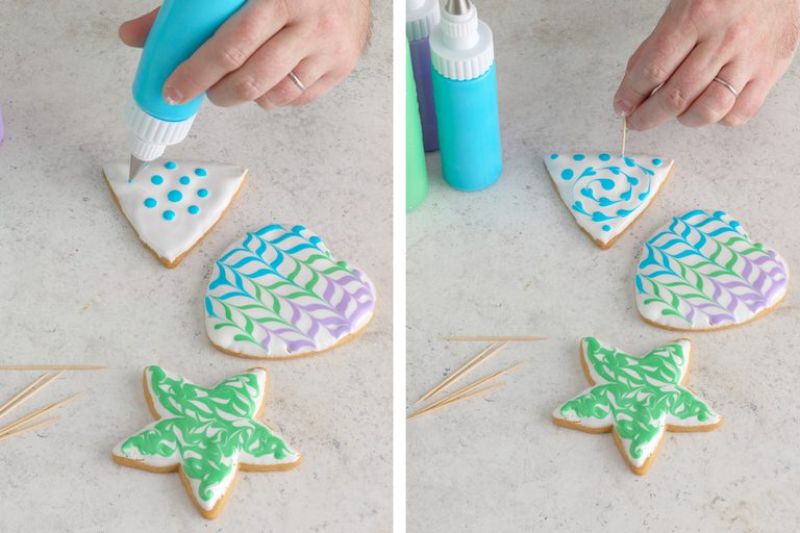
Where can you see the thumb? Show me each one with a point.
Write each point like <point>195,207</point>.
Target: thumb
<point>134,32</point>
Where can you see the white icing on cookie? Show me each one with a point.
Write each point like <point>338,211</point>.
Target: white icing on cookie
<point>606,193</point>
<point>280,292</point>
<point>172,204</point>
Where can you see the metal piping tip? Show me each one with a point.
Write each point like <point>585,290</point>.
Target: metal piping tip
<point>134,168</point>
<point>458,7</point>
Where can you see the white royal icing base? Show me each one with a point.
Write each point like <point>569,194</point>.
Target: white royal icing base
<point>604,223</point>
<point>169,239</point>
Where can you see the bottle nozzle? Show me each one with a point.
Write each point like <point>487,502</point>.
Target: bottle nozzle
<point>458,7</point>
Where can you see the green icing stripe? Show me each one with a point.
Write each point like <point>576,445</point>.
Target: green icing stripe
<point>208,428</point>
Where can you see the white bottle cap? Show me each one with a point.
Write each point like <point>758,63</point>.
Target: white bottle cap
<point>421,17</point>
<point>462,46</point>
<point>148,136</point>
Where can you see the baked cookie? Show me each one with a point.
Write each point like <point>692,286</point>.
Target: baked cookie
<point>636,398</point>
<point>606,193</point>
<point>173,204</point>
<point>206,435</point>
<point>280,293</point>
<point>702,272</point>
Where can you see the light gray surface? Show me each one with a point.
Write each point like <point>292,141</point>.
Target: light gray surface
<point>511,260</point>
<point>77,286</point>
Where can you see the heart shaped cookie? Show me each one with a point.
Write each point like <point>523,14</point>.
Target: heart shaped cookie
<point>606,193</point>
<point>171,205</point>
<point>702,271</point>
<point>279,292</point>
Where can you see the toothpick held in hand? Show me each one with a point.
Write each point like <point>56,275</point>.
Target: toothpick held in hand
<point>624,133</point>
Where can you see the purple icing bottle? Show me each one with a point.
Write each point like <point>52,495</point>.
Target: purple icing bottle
<point>421,17</point>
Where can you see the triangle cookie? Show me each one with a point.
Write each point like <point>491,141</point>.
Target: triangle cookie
<point>606,193</point>
<point>173,204</point>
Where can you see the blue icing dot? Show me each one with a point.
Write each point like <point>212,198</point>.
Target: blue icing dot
<point>200,172</point>
<point>657,162</point>
<point>168,214</point>
<point>606,227</point>
<point>629,162</point>
<point>567,174</point>
<point>202,193</point>
<point>553,156</point>
<point>150,202</point>
<point>193,209</point>
<point>604,157</point>
<point>156,180</point>
<point>171,165</point>
<point>175,196</point>
<point>735,223</point>
<point>578,157</point>
<point>185,180</point>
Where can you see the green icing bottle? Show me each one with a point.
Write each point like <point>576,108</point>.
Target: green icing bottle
<point>416,172</point>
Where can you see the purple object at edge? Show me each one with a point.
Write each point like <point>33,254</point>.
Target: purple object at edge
<point>421,64</point>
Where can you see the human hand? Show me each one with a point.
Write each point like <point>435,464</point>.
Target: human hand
<point>746,43</point>
<point>250,57</point>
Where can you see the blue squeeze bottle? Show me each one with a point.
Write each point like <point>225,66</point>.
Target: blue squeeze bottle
<point>180,28</point>
<point>465,93</point>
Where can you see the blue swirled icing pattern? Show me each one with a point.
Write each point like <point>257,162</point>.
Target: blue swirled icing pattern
<point>280,292</point>
<point>605,192</point>
<point>702,271</point>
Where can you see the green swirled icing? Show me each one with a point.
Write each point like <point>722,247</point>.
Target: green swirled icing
<point>207,432</point>
<point>638,397</point>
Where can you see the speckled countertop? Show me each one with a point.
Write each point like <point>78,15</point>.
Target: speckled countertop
<point>511,260</point>
<point>77,286</point>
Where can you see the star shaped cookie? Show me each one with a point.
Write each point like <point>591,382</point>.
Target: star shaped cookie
<point>206,435</point>
<point>637,399</point>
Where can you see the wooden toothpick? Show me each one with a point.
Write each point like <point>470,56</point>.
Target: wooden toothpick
<point>51,367</point>
<point>491,338</point>
<point>479,392</point>
<point>472,386</point>
<point>35,414</point>
<point>465,369</point>
<point>28,428</point>
<point>28,392</point>
<point>624,134</point>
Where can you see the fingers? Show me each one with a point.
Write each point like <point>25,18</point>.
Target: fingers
<point>134,32</point>
<point>653,63</point>
<point>748,103</point>
<point>227,50</point>
<point>286,91</point>
<point>716,101</point>
<point>680,90</point>
<point>265,69</point>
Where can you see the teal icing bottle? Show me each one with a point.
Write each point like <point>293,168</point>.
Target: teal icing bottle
<point>465,93</point>
<point>180,28</point>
